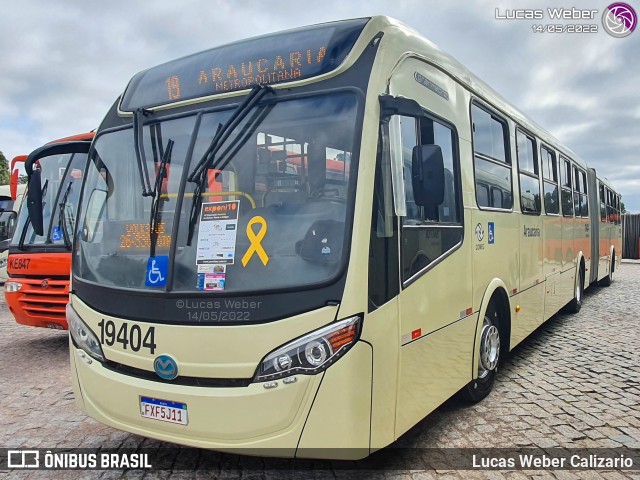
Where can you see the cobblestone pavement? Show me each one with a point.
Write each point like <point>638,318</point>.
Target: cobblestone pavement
<point>575,382</point>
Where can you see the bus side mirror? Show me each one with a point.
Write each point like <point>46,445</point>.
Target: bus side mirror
<point>34,203</point>
<point>427,175</point>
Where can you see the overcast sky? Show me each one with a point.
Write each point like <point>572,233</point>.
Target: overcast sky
<point>63,63</point>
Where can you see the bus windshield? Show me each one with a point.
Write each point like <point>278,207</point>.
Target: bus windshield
<point>275,200</point>
<point>7,224</point>
<point>59,173</point>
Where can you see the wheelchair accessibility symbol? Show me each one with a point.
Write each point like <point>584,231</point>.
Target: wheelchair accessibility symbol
<point>56,234</point>
<point>157,271</point>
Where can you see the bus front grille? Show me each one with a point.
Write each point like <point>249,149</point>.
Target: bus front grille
<point>44,297</point>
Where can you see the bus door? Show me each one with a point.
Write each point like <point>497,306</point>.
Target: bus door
<point>594,220</point>
<point>531,251</point>
<point>436,327</point>
<point>568,226</point>
<point>552,231</point>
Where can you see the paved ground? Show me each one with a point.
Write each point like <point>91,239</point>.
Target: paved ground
<point>574,383</point>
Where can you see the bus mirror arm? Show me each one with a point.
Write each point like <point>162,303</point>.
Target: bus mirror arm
<point>390,105</point>
<point>427,175</point>
<point>14,179</point>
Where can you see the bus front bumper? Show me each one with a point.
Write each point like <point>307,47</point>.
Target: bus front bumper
<point>39,303</point>
<point>299,419</point>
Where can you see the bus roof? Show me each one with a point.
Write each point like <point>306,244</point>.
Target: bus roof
<point>401,41</point>
<point>74,138</point>
<point>412,42</point>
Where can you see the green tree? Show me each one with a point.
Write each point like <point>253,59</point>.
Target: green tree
<point>624,210</point>
<point>4,170</point>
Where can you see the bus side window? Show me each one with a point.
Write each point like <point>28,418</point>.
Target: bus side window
<point>603,205</point>
<point>584,195</point>
<point>567,200</point>
<point>550,182</point>
<point>529,173</point>
<point>492,162</point>
<point>577,189</point>
<point>429,232</point>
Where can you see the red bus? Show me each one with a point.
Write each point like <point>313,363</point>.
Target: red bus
<point>37,288</point>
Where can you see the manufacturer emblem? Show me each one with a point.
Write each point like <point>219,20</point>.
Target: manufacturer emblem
<point>479,232</point>
<point>45,283</point>
<point>166,367</point>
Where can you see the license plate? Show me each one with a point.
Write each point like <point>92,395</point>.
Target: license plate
<point>55,326</point>
<point>164,410</point>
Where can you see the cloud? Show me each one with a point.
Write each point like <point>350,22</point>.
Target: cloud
<point>64,63</point>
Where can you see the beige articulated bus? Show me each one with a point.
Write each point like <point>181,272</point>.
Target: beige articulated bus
<point>302,244</point>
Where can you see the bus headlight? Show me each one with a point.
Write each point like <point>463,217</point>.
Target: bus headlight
<point>83,336</point>
<point>12,287</point>
<point>311,353</point>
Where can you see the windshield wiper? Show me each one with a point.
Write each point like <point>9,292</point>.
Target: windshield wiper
<point>138,145</point>
<point>209,159</point>
<point>155,202</point>
<point>23,234</point>
<point>61,223</point>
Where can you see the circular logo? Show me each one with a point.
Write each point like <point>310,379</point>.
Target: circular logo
<point>479,232</point>
<point>619,20</point>
<point>45,283</point>
<point>166,367</point>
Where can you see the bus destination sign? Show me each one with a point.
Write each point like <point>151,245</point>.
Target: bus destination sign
<point>270,59</point>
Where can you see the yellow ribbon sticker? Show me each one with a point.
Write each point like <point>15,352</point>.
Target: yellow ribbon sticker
<point>255,239</point>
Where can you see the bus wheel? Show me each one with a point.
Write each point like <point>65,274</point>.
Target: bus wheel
<point>488,358</point>
<point>576,304</point>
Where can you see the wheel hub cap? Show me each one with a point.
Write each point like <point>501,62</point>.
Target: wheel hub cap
<point>489,349</point>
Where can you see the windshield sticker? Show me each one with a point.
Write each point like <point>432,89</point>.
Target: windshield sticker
<point>157,268</point>
<point>214,281</point>
<point>256,239</point>
<point>212,268</point>
<point>217,234</point>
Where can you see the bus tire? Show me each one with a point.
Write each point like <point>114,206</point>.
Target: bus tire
<point>488,358</point>
<point>575,305</point>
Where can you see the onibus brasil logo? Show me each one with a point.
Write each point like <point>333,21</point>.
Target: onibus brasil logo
<point>619,20</point>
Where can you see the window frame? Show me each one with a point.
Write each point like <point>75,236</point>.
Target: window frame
<point>550,150</point>
<point>609,195</point>
<point>564,159</point>
<point>602,193</point>
<point>508,163</point>
<point>455,151</point>
<point>583,192</point>
<point>536,166</point>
